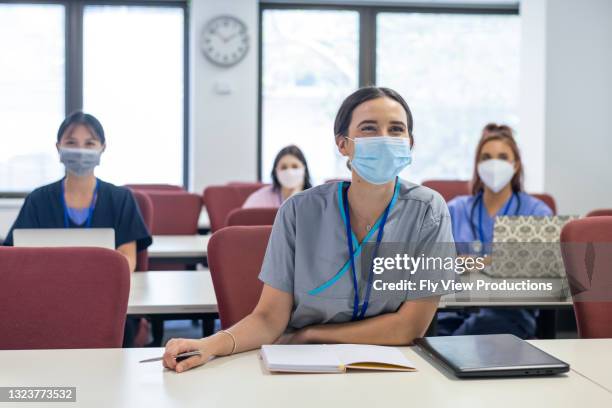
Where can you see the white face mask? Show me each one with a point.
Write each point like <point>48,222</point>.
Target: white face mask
<point>291,178</point>
<point>495,173</point>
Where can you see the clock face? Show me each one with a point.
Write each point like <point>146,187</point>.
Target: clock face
<point>224,41</point>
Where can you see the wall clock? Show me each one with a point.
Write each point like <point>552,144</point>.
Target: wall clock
<point>224,41</point>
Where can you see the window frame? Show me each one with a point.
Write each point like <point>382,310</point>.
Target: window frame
<point>73,57</point>
<point>368,14</point>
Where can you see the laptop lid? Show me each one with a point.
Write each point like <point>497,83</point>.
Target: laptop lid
<point>491,355</point>
<point>65,237</point>
<point>527,246</point>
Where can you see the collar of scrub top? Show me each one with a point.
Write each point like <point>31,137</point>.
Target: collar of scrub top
<point>351,239</point>
<point>90,211</point>
<point>480,202</point>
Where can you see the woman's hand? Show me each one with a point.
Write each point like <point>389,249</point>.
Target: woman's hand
<point>208,347</point>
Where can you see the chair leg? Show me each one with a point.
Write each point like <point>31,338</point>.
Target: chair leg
<point>208,326</point>
<point>158,331</point>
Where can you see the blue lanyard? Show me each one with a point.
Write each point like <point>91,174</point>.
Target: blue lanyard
<point>357,314</point>
<point>481,209</point>
<point>92,206</point>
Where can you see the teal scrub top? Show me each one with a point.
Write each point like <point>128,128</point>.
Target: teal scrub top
<point>307,252</point>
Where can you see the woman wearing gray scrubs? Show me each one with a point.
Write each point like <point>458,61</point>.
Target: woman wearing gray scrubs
<point>314,288</point>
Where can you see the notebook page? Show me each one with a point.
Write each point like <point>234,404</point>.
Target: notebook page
<point>364,353</point>
<point>301,358</point>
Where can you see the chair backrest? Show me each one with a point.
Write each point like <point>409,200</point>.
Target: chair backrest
<point>145,205</point>
<point>449,189</point>
<point>221,200</point>
<point>586,246</point>
<point>246,183</point>
<point>251,216</point>
<point>235,278</point>
<point>155,187</point>
<point>62,298</point>
<point>603,212</point>
<point>548,200</point>
<point>175,212</point>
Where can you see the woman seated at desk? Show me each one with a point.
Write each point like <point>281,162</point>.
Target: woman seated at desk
<point>497,190</point>
<point>290,175</point>
<point>314,289</point>
<point>80,200</point>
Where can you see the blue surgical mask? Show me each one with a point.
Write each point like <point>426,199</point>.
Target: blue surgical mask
<point>379,159</point>
<point>79,162</point>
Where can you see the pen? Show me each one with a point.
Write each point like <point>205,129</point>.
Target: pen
<point>179,357</point>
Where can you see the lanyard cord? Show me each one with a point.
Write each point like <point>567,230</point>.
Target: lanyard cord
<point>359,313</point>
<point>90,211</point>
<point>479,201</point>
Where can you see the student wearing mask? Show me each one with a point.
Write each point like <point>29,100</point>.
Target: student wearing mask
<point>290,175</point>
<point>315,287</point>
<point>80,200</point>
<point>497,190</point>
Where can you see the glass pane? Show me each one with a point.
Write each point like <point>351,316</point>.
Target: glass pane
<point>310,64</point>
<point>457,73</point>
<point>133,83</point>
<point>31,94</point>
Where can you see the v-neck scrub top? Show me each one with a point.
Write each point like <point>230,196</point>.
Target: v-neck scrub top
<point>308,248</point>
<point>115,208</point>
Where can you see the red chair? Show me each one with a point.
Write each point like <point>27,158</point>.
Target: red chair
<point>449,189</point>
<point>221,200</point>
<point>175,212</point>
<point>155,187</point>
<point>146,211</point>
<point>586,246</point>
<point>603,212</point>
<point>54,298</point>
<point>548,200</point>
<point>251,216</point>
<point>235,278</point>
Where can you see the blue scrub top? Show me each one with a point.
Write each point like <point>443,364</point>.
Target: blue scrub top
<point>462,217</point>
<point>115,208</point>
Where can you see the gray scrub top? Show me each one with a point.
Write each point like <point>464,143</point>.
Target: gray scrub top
<point>308,247</point>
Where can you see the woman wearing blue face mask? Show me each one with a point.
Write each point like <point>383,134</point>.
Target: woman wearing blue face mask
<point>80,200</point>
<point>316,287</point>
<point>496,190</point>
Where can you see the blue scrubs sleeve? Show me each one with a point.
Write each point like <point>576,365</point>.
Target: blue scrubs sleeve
<point>278,269</point>
<point>27,218</point>
<point>130,225</point>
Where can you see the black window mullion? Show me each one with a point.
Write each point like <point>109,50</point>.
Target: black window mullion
<point>367,46</point>
<point>74,56</point>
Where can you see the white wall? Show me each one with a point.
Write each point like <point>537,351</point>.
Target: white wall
<point>578,144</point>
<point>223,127</point>
<point>532,105</point>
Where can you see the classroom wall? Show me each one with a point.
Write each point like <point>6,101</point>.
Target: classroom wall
<point>223,127</point>
<point>578,140</point>
<point>566,95</point>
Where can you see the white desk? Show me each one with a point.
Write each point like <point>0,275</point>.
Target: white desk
<point>172,292</point>
<point>183,292</point>
<point>591,358</point>
<point>179,247</point>
<point>113,377</point>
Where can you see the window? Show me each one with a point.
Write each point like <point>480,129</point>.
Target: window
<point>133,83</point>
<point>32,66</point>
<point>309,64</point>
<point>458,69</point>
<point>457,72</point>
<point>129,73</point>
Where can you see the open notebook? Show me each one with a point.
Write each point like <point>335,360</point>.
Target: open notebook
<point>333,358</point>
